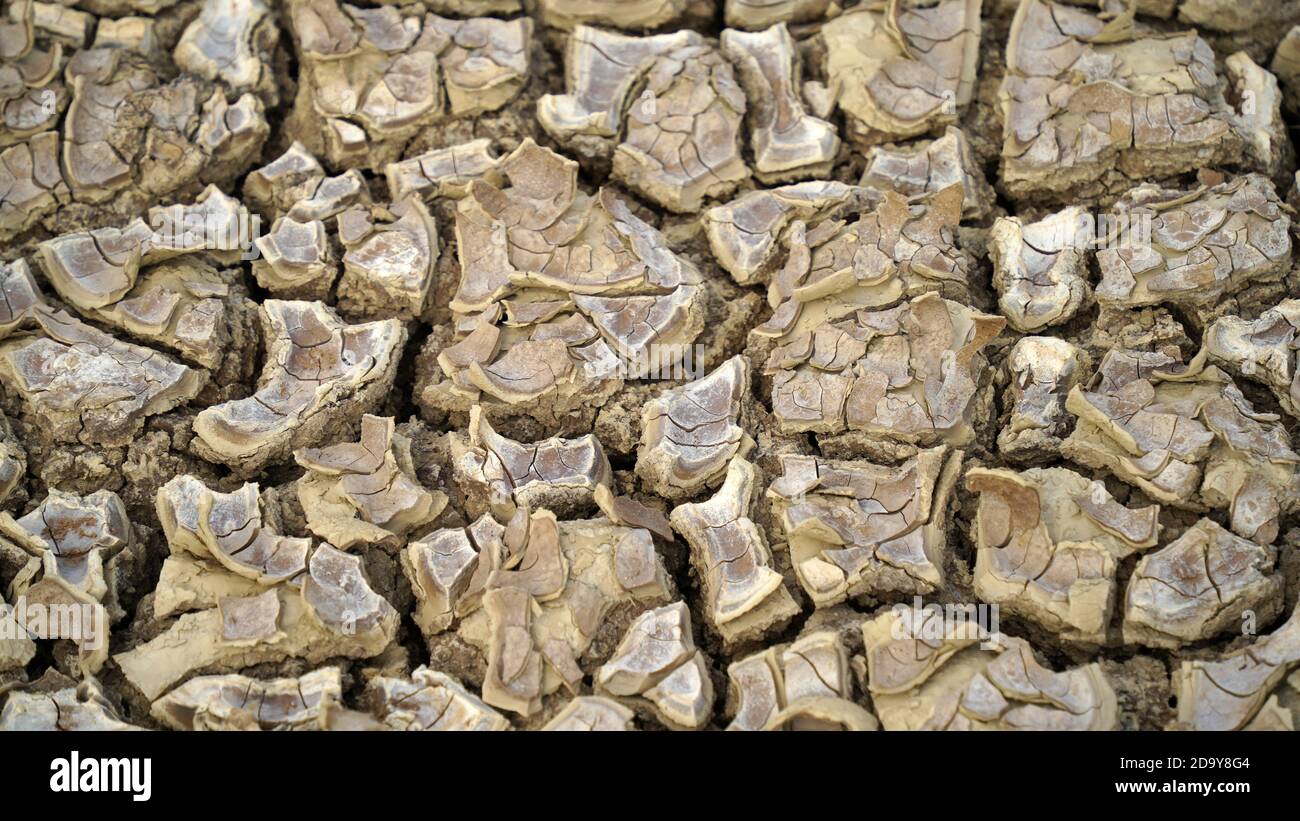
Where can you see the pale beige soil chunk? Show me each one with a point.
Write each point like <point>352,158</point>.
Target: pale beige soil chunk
<point>657,662</point>
<point>1041,371</point>
<point>1263,350</point>
<point>805,685</point>
<point>854,528</point>
<point>430,701</point>
<point>236,702</point>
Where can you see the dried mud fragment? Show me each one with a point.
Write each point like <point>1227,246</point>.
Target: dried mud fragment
<point>857,528</point>
<point>1186,437</point>
<point>444,172</point>
<point>1285,66</point>
<point>231,41</point>
<point>77,383</point>
<point>788,143</point>
<point>657,662</point>
<point>1040,269</point>
<point>1205,246</point>
<point>906,374</point>
<point>1048,544</point>
<point>321,375</point>
<point>1264,350</point>
<point>130,139</point>
<point>44,706</point>
<point>690,434</point>
<point>602,69</point>
<point>280,185</point>
<point>806,685</point>
<point>1091,104</point>
<point>32,94</point>
<point>930,166</point>
<point>622,14</point>
<point>1228,693</point>
<point>430,700</point>
<point>1199,586</point>
<point>501,475</point>
<point>1260,115</point>
<point>227,528</point>
<point>562,295</point>
<point>373,78</point>
<point>925,673</point>
<point>592,714</point>
<point>85,541</point>
<point>328,612</point>
<point>900,71</point>
<point>744,597</point>
<point>897,249</point>
<point>531,596</point>
<point>296,259</point>
<point>31,183</point>
<point>1042,370</point>
<point>160,284</point>
<point>235,702</point>
<point>682,134</point>
<point>759,14</point>
<point>366,492</point>
<point>749,234</point>
<point>389,262</point>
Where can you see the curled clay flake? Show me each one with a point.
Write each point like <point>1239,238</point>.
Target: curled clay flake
<point>806,685</point>
<point>1186,437</point>
<point>748,233</point>
<point>365,492</point>
<point>899,71</point>
<point>950,684</point>
<point>592,714</point>
<point>682,133</point>
<point>74,537</point>
<point>296,259</point>
<point>388,270</point>
<point>431,701</point>
<point>1203,247</point>
<point>78,708</point>
<point>237,702</point>
<point>788,143</point>
<point>1048,544</point>
<point>909,373</point>
<point>1264,349</point>
<point>532,596</point>
<point>928,168</point>
<point>1042,370</point>
<point>1227,693</point>
<point>373,78</point>
<point>1091,104</point>
<point>897,249</point>
<point>856,528</point>
<point>444,172</point>
<point>744,596</point>
<point>32,183</point>
<point>562,295</point>
<point>498,473</point>
<point>78,383</point>
<point>228,41</point>
<point>336,592</point>
<point>601,70</point>
<point>31,94</point>
<point>1040,270</point>
<point>657,661</point>
<point>319,372</point>
<point>689,435</point>
<point>1199,586</point>
<point>228,528</point>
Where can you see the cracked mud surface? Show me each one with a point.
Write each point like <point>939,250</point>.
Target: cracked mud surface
<point>592,365</point>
